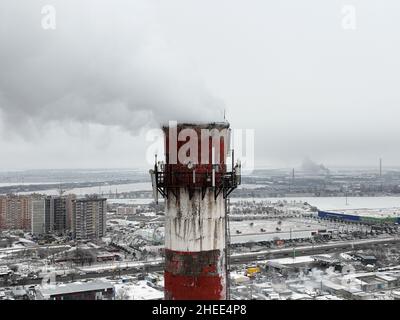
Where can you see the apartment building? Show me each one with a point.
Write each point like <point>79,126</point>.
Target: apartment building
<point>52,215</point>
<point>89,217</point>
<point>15,212</point>
<point>38,216</point>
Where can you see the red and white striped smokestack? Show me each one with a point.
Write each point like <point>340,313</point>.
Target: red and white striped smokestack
<point>195,183</point>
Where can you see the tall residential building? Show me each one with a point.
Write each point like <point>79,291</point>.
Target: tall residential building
<point>38,216</point>
<point>15,212</point>
<point>52,215</point>
<point>59,212</point>
<point>69,212</point>
<point>89,217</point>
<point>55,215</point>
<point>3,205</point>
<point>49,217</point>
<point>85,217</point>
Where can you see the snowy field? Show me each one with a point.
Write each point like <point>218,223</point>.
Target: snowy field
<point>119,265</point>
<point>123,222</point>
<point>245,238</point>
<point>132,201</point>
<point>11,184</point>
<point>289,229</point>
<point>251,186</point>
<point>295,260</point>
<point>138,291</point>
<point>322,203</point>
<point>271,225</point>
<point>335,203</point>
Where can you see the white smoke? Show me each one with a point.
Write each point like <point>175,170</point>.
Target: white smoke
<point>310,166</point>
<point>107,62</point>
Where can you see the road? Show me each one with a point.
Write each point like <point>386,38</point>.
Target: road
<point>99,271</point>
<point>332,247</point>
<point>35,247</point>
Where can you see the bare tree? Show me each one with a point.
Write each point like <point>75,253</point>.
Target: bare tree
<point>122,294</point>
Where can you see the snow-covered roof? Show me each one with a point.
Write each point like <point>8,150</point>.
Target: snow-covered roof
<point>75,287</point>
<point>140,291</point>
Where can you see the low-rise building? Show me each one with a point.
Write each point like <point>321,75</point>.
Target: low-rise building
<point>95,290</point>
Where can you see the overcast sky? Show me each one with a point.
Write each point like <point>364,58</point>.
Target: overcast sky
<point>84,94</point>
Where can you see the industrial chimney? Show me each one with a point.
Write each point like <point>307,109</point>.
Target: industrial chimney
<point>195,183</point>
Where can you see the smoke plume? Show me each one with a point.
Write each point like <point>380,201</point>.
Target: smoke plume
<point>107,62</point>
<point>310,166</point>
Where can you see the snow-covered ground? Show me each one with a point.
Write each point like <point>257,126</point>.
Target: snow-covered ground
<point>251,186</point>
<point>335,203</point>
<point>132,201</point>
<point>255,226</point>
<point>245,238</point>
<point>302,259</point>
<point>288,229</point>
<point>123,222</point>
<point>118,265</point>
<point>10,184</point>
<point>138,291</point>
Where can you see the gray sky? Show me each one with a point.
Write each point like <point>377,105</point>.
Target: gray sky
<point>84,95</point>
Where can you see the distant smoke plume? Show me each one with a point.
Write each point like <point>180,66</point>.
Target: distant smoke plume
<point>107,62</point>
<point>310,166</point>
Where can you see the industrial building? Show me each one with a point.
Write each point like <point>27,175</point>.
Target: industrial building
<point>387,215</point>
<point>95,290</point>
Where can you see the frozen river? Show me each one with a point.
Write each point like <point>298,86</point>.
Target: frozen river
<point>322,203</point>
<point>103,189</point>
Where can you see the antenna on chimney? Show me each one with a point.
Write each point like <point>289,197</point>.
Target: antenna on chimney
<point>380,173</point>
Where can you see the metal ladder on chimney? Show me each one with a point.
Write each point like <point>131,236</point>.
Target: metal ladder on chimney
<point>227,249</point>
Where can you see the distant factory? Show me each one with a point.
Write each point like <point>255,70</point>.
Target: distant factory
<point>387,215</point>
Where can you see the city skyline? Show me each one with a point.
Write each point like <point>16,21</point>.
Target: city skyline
<point>84,94</point>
